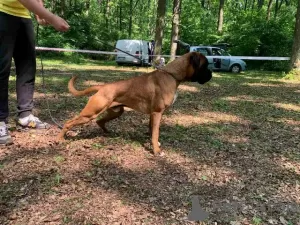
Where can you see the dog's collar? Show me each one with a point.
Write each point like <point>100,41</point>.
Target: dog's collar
<point>169,74</point>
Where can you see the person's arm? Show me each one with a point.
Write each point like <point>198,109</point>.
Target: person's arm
<point>38,8</point>
<point>40,20</point>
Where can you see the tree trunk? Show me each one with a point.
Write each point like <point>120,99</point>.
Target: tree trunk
<point>287,3</point>
<point>130,18</point>
<point>281,1</point>
<point>62,8</point>
<point>159,30</point>
<point>221,16</point>
<point>175,27</point>
<point>269,10</point>
<point>208,4</point>
<point>276,8</point>
<point>52,6</point>
<point>120,17</point>
<point>149,19</point>
<point>253,4</point>
<point>295,57</point>
<point>246,3</point>
<point>107,12</point>
<point>260,4</point>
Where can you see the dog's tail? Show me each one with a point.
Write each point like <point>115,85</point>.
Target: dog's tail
<point>75,92</point>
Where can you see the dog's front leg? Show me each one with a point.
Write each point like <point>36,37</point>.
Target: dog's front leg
<point>150,128</point>
<point>150,125</point>
<point>155,124</point>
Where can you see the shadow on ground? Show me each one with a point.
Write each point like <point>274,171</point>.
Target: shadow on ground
<point>234,143</point>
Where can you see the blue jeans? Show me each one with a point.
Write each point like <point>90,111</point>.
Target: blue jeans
<point>17,41</point>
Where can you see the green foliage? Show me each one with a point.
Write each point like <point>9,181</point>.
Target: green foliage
<point>59,159</point>
<point>58,178</point>
<point>256,220</point>
<point>293,75</point>
<point>98,26</point>
<point>255,36</point>
<point>248,31</point>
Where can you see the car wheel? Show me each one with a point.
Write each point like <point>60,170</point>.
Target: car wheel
<point>236,68</point>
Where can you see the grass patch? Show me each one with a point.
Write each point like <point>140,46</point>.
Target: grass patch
<point>221,105</point>
<point>257,221</point>
<point>97,146</point>
<point>59,159</point>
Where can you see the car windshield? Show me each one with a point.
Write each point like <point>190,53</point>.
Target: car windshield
<point>223,52</point>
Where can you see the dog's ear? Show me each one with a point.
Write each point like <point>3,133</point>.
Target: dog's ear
<point>195,60</point>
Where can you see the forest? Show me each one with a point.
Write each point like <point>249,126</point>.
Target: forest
<point>233,143</point>
<point>250,27</point>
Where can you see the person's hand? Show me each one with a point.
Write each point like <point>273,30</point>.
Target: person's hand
<point>59,23</point>
<point>41,21</point>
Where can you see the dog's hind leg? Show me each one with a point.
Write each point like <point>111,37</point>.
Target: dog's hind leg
<point>78,120</point>
<point>111,113</point>
<point>95,106</point>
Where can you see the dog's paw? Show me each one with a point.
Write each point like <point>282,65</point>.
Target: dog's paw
<point>60,138</point>
<point>60,141</point>
<point>161,154</point>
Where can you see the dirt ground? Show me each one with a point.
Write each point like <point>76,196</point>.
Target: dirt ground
<point>233,142</point>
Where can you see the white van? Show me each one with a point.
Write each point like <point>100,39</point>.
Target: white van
<point>138,48</point>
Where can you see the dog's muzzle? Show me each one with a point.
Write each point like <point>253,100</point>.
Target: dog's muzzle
<point>205,78</point>
<point>202,76</point>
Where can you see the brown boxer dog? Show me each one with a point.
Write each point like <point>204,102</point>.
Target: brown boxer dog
<point>150,93</point>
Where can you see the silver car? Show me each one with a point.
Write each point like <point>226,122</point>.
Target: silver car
<point>227,63</point>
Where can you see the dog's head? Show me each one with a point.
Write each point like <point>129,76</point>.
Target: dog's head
<point>198,71</point>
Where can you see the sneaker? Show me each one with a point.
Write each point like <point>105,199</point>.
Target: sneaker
<point>5,138</point>
<point>32,122</point>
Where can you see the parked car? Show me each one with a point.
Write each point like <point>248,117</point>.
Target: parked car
<point>140,49</point>
<point>227,64</point>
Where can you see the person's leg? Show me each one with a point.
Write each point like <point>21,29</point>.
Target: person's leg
<point>24,56</point>
<point>8,31</point>
<point>25,60</point>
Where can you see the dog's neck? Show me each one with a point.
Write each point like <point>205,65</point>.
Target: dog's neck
<point>171,74</point>
<point>177,69</point>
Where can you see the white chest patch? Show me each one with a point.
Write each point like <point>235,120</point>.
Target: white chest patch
<point>175,97</point>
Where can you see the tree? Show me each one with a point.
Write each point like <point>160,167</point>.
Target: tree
<point>295,57</point>
<point>159,30</point>
<point>276,8</point>
<point>221,16</point>
<point>62,7</point>
<point>269,10</point>
<point>175,27</point>
<point>260,4</point>
<point>196,22</point>
<point>130,18</point>
<point>246,3</point>
<point>107,12</point>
